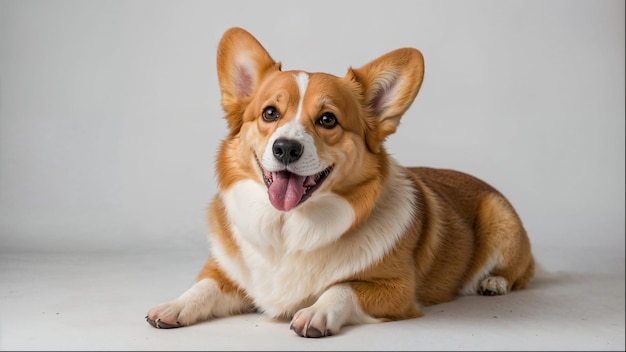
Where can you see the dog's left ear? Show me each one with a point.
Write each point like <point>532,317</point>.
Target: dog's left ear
<point>242,62</point>
<point>389,85</point>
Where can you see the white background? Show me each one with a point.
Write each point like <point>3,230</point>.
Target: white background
<point>110,121</point>
<point>110,116</point>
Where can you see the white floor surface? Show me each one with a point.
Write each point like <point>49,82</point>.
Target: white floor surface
<point>98,301</point>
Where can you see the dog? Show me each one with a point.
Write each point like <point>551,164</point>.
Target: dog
<point>315,223</point>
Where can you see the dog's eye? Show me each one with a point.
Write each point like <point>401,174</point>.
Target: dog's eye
<point>270,114</point>
<point>327,120</point>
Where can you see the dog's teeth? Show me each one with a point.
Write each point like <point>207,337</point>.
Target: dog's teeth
<point>310,181</point>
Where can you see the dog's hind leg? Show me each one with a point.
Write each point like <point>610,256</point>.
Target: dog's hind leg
<point>502,260</point>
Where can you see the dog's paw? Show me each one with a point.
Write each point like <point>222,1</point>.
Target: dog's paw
<point>493,286</point>
<point>194,305</point>
<point>336,307</point>
<point>308,322</point>
<point>168,315</point>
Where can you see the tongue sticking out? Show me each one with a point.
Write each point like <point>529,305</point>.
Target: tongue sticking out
<point>286,190</point>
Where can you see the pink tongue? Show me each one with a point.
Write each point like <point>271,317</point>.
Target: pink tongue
<point>286,190</point>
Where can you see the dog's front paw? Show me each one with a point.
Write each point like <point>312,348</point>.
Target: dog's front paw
<point>168,315</point>
<point>310,323</point>
<point>333,309</point>
<point>194,305</point>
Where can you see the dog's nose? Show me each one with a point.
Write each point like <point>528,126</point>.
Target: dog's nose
<point>287,150</point>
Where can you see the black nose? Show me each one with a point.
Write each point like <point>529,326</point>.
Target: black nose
<point>287,150</point>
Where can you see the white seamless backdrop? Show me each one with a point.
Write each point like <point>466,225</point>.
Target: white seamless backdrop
<point>110,116</point>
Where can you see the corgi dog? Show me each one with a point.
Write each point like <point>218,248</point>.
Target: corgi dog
<point>314,223</point>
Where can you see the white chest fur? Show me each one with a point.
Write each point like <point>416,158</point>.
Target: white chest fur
<point>289,258</point>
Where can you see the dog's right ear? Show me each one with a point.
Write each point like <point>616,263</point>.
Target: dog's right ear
<point>242,62</point>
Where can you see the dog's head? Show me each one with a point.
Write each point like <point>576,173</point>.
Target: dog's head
<point>305,134</point>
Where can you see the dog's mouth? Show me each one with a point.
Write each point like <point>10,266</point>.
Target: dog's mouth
<point>286,190</point>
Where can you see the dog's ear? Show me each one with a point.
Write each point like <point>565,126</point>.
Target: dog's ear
<point>389,85</point>
<point>242,62</point>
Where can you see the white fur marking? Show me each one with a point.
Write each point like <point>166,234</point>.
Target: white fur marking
<point>309,163</point>
<point>284,264</point>
<point>302,79</point>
